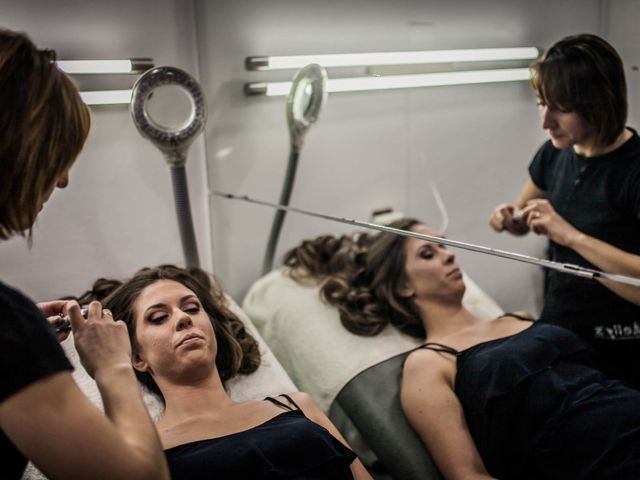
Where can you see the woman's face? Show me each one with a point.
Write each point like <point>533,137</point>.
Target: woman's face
<point>566,129</point>
<point>173,332</point>
<point>430,269</point>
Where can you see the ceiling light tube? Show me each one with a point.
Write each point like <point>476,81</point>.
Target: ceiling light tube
<point>81,67</point>
<point>392,58</point>
<point>106,97</point>
<point>335,85</point>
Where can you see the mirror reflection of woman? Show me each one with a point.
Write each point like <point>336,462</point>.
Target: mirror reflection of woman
<point>186,345</point>
<point>584,195</point>
<point>507,398</point>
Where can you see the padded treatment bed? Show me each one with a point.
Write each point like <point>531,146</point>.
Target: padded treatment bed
<point>355,379</point>
<point>269,380</point>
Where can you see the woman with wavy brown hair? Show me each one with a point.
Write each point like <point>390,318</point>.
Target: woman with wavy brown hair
<point>44,417</point>
<point>186,344</point>
<point>506,398</point>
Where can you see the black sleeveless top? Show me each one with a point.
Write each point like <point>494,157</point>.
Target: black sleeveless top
<point>288,445</point>
<point>538,409</point>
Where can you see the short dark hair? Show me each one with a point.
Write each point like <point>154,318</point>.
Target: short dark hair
<point>238,351</point>
<point>44,124</point>
<point>584,74</point>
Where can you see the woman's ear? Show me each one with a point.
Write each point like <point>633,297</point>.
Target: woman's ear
<point>405,290</point>
<point>139,363</point>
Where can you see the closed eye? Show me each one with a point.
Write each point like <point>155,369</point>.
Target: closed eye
<point>158,317</point>
<point>426,253</point>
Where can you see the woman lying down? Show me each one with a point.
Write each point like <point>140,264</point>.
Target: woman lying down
<point>507,398</point>
<point>185,344</point>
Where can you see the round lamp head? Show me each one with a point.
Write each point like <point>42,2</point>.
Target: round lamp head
<point>168,108</point>
<point>305,101</point>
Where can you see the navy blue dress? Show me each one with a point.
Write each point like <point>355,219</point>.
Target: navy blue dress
<point>538,409</point>
<point>287,446</point>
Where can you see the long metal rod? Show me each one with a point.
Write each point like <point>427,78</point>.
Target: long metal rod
<point>562,267</point>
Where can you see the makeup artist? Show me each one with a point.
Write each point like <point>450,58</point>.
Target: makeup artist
<point>584,195</point>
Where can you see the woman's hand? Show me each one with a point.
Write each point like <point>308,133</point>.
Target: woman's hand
<point>54,312</point>
<point>504,217</point>
<point>542,219</point>
<point>102,343</point>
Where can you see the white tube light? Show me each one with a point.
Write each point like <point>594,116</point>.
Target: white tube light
<point>335,85</point>
<point>106,97</point>
<point>392,58</point>
<point>81,67</point>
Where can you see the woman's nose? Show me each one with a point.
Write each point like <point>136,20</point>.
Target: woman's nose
<point>63,181</point>
<point>546,117</point>
<point>184,321</point>
<point>449,256</point>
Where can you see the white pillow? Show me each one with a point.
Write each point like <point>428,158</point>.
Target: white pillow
<point>269,380</point>
<point>317,352</point>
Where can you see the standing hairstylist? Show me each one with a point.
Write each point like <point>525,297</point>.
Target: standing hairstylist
<point>584,195</point>
<point>44,417</point>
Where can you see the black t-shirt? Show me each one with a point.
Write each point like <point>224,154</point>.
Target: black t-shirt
<point>29,351</point>
<point>600,196</point>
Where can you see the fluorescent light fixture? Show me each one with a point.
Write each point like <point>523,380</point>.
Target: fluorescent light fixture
<point>335,85</point>
<point>392,58</point>
<point>106,97</point>
<point>81,67</point>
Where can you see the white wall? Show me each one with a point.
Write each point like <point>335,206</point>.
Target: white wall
<point>368,150</point>
<point>117,214</point>
<point>371,150</point>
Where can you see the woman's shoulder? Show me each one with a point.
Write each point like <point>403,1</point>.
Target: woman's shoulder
<point>429,363</point>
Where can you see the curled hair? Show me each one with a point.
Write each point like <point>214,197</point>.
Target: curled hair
<point>584,74</point>
<point>44,124</point>
<point>238,351</point>
<point>362,277</point>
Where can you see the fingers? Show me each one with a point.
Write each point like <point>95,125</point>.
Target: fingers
<point>49,309</point>
<point>501,216</point>
<point>75,315</point>
<point>94,312</point>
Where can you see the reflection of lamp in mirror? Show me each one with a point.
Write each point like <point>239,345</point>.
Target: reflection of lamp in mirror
<point>168,109</point>
<point>307,96</point>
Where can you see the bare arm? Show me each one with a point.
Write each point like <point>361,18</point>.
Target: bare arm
<point>434,411</point>
<point>544,220</point>
<point>56,426</point>
<point>315,413</point>
<point>502,218</point>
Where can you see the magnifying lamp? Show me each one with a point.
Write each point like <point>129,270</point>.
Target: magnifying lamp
<point>305,101</point>
<point>168,109</point>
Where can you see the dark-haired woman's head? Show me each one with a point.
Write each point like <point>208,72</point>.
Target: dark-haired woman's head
<point>583,74</point>
<point>181,328</point>
<point>375,280</point>
<point>44,124</point>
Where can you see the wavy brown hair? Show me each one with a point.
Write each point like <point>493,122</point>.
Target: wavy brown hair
<point>584,74</point>
<point>44,124</point>
<point>238,351</point>
<point>361,276</point>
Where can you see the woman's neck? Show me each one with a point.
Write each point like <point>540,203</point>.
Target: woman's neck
<point>184,401</point>
<point>591,150</point>
<point>441,319</point>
